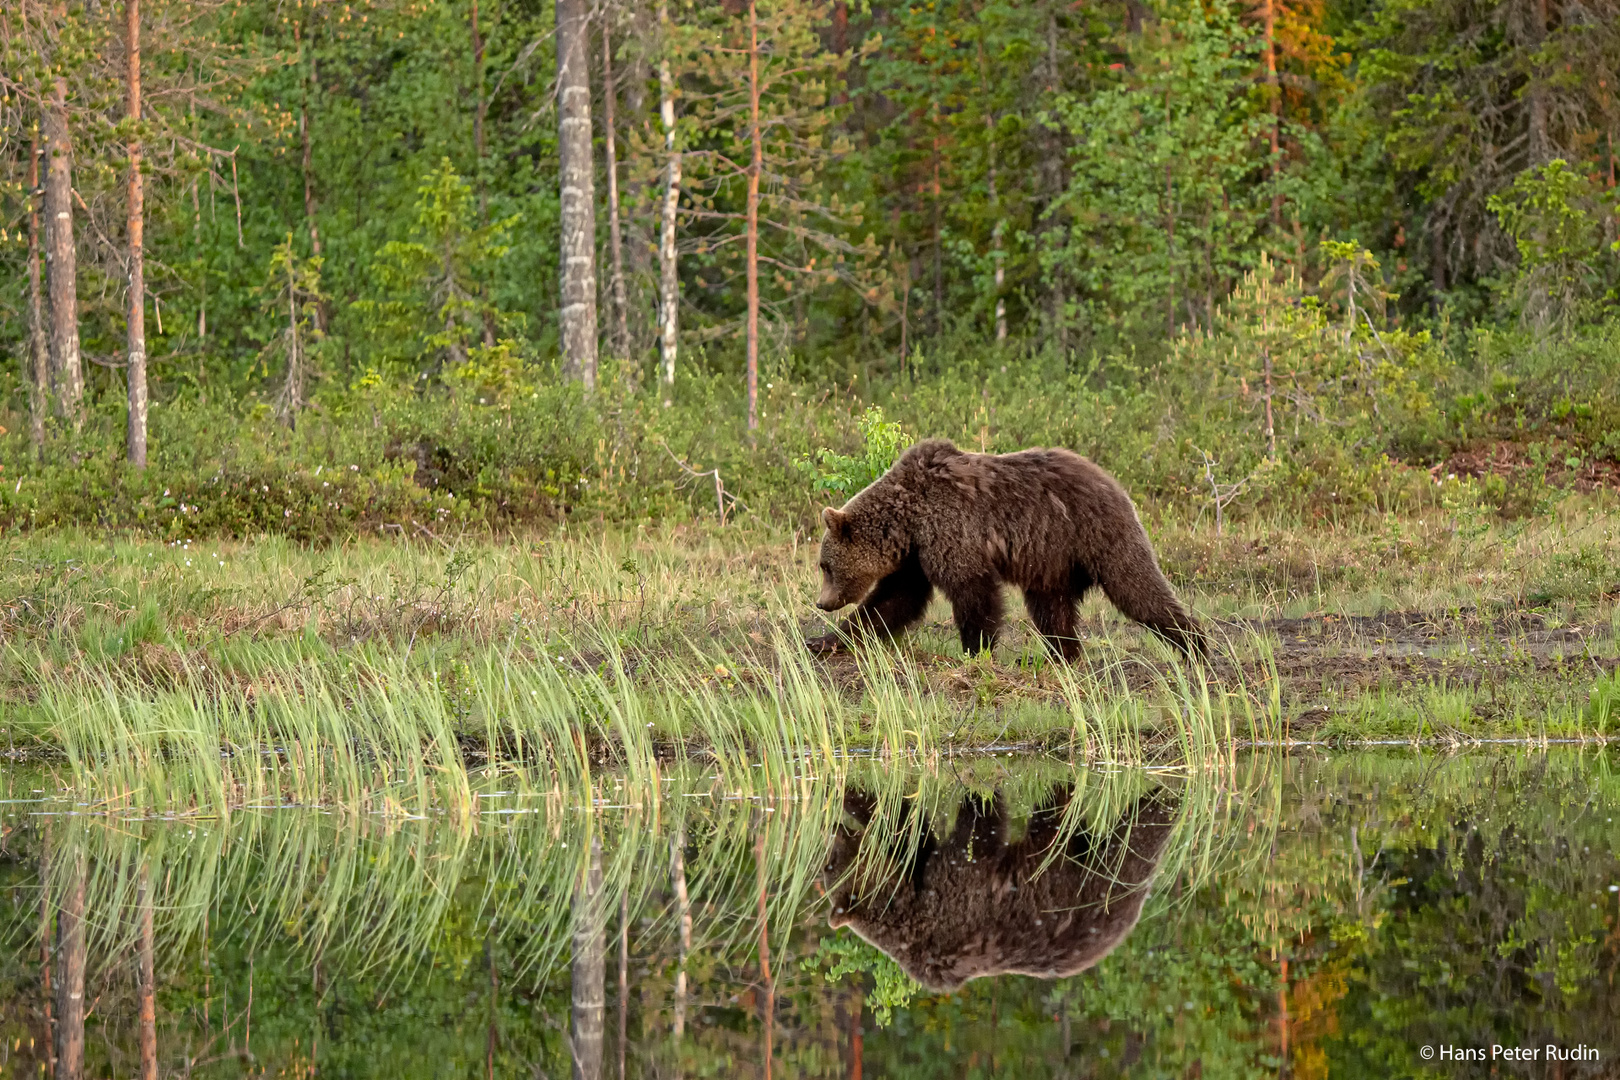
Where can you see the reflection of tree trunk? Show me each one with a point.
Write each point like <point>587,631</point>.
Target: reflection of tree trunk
<point>39,355</point>
<point>135,430</point>
<point>683,919</point>
<point>669,292</point>
<point>768,1004</point>
<point>589,970</point>
<point>61,259</point>
<point>147,988</point>
<point>494,992</point>
<point>45,949</point>
<point>624,976</point>
<point>70,947</point>
<point>856,1051</point>
<point>577,210</point>
<point>1282,1021</point>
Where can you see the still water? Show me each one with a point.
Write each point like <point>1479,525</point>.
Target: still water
<point>1359,915</point>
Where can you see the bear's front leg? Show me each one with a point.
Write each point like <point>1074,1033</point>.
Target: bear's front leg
<point>977,608</point>
<point>896,603</point>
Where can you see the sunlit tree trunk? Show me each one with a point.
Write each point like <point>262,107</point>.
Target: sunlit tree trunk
<point>669,292</point>
<point>38,374</point>
<point>61,259</point>
<point>135,436</point>
<point>683,919</point>
<point>147,980</point>
<point>1268,18</point>
<point>589,969</point>
<point>756,164</point>
<point>576,167</point>
<point>621,304</point>
<point>70,948</point>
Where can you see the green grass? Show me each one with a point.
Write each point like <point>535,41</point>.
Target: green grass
<point>211,674</point>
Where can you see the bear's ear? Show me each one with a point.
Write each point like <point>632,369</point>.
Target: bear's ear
<point>837,521</point>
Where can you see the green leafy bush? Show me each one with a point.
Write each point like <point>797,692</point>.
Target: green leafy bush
<point>841,954</point>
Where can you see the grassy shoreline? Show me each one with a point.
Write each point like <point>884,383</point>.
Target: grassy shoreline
<point>687,641</point>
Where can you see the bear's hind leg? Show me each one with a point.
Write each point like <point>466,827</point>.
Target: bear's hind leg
<point>1054,616</point>
<point>1139,590</point>
<point>977,609</point>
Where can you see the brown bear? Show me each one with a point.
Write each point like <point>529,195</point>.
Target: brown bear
<point>1048,521</point>
<point>972,904</point>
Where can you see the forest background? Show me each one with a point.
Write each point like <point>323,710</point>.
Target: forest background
<point>314,267</point>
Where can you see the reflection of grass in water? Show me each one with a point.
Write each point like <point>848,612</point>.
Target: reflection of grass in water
<point>382,728</point>
<point>376,891</point>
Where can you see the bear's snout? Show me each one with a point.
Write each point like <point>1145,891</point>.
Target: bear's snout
<point>830,599</point>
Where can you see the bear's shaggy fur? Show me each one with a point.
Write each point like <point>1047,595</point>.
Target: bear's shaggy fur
<point>1048,521</point>
<point>973,904</point>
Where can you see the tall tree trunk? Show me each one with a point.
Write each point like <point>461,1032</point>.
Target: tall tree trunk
<point>1268,17</point>
<point>37,375</point>
<point>292,389</point>
<point>70,947</point>
<point>755,141</point>
<point>1170,247</point>
<point>1054,180</point>
<point>480,106</point>
<point>135,434</point>
<point>939,234</point>
<point>61,259</point>
<point>577,169</point>
<point>480,110</point>
<point>669,293</point>
<point>621,303</point>
<point>995,199</point>
<point>147,981</point>
<point>683,921</point>
<point>589,969</point>
<point>1540,138</point>
<point>306,134</point>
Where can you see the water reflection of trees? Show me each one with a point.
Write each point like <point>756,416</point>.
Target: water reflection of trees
<point>1403,900</point>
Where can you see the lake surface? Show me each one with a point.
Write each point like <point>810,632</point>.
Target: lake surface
<point>1339,915</point>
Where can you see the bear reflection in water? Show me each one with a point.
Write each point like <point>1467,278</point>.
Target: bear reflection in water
<point>974,904</point>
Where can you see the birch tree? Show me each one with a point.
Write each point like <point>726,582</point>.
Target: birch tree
<point>135,375</point>
<point>669,283</point>
<point>576,171</point>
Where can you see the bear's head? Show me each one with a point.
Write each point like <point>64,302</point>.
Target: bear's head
<point>854,558</point>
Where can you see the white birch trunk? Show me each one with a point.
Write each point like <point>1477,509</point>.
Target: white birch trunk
<point>669,292</point>
<point>61,259</point>
<point>135,435</point>
<point>578,193</point>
